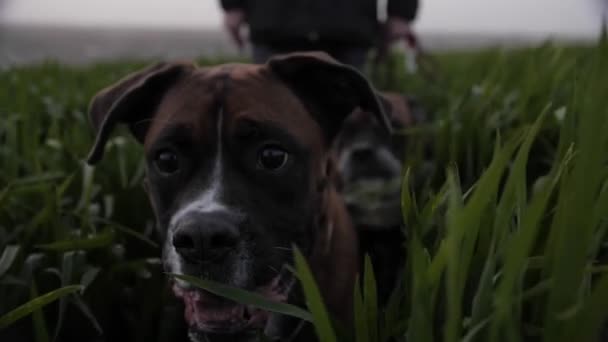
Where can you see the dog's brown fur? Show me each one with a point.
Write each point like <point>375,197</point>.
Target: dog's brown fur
<point>180,94</point>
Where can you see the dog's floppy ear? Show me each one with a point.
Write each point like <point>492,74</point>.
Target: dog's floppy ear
<point>335,90</point>
<point>131,101</point>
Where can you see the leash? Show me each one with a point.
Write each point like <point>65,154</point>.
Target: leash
<point>417,60</point>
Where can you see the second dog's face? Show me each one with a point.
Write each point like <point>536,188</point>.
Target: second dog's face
<point>370,164</point>
<point>365,152</point>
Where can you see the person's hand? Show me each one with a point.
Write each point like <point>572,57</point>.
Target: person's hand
<point>399,29</point>
<point>234,20</point>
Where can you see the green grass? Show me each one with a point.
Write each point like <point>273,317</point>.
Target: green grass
<point>506,220</point>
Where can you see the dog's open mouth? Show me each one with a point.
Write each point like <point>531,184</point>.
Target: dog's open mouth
<point>206,312</point>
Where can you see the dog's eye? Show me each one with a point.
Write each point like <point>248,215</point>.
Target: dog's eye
<point>166,162</point>
<point>272,158</point>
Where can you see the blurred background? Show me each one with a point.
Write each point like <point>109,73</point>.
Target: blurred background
<point>65,224</point>
<point>77,31</point>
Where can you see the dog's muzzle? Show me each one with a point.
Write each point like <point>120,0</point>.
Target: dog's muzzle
<point>208,314</point>
<point>203,238</point>
<point>212,245</point>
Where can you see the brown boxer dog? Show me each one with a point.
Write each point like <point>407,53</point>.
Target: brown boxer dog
<point>238,163</point>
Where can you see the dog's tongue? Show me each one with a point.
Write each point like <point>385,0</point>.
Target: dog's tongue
<point>204,309</point>
<point>207,311</point>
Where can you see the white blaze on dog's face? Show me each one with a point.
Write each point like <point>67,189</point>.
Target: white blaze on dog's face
<point>207,201</point>
<point>236,168</point>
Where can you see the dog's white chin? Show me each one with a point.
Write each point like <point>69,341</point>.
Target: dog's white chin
<point>207,313</point>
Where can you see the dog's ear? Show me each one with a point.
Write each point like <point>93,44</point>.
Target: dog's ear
<point>335,90</point>
<point>131,101</point>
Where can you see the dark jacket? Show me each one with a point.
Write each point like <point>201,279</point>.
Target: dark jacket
<point>285,23</point>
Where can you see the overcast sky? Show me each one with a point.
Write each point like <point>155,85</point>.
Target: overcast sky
<point>571,17</point>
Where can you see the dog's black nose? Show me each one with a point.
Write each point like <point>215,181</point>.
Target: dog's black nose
<point>362,154</point>
<point>205,237</point>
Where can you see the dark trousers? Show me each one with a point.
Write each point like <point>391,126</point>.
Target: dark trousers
<point>353,56</point>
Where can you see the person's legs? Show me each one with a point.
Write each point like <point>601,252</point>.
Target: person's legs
<point>353,56</point>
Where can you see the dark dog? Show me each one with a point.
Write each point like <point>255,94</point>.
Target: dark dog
<point>368,158</point>
<point>238,170</point>
<point>370,163</point>
<point>365,151</point>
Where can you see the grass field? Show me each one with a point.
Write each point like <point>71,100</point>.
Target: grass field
<point>507,237</point>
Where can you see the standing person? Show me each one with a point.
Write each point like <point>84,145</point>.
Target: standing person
<point>604,15</point>
<point>346,29</point>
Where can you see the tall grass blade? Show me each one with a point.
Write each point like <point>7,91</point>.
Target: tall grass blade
<point>41,333</point>
<point>453,323</point>
<point>100,240</point>
<point>573,222</point>
<point>129,231</point>
<point>36,304</point>
<point>592,319</point>
<point>361,327</point>
<point>245,297</point>
<point>420,325</point>
<point>314,301</point>
<point>8,257</point>
<point>517,251</point>
<point>509,210</point>
<point>370,298</point>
